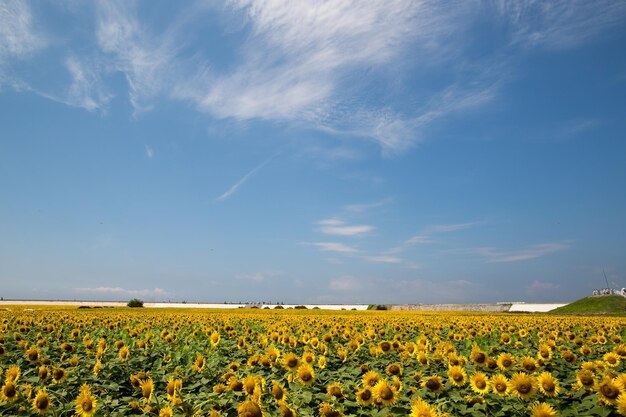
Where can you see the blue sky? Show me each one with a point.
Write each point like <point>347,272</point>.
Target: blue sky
<point>337,152</point>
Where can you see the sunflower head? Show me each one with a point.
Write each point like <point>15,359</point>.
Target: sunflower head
<point>609,390</point>
<point>478,356</point>
<point>327,410</point>
<point>147,388</point>
<point>85,402</point>
<point>384,393</point>
<point>500,385</point>
<point>58,375</point>
<point>523,385</point>
<point>334,391</point>
<point>586,379</point>
<point>249,409</point>
<point>285,410</point>
<point>394,369</point>
<point>457,375</point>
<point>306,375</point>
<point>370,378</point>
<point>505,361</point>
<point>529,364</point>
<point>278,391</point>
<point>542,410</point>
<point>479,383</point>
<point>41,403</point>
<point>612,359</point>
<point>420,408</point>
<point>433,384</point>
<point>9,392</point>
<point>548,385</point>
<point>364,396</point>
<point>290,361</point>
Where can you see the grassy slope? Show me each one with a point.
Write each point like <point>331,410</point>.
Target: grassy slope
<point>608,304</point>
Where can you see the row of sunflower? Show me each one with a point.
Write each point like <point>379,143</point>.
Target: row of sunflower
<point>122,362</point>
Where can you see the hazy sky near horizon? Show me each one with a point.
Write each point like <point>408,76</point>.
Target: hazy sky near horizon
<point>311,151</point>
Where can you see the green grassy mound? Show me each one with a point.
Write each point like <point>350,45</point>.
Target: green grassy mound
<point>597,304</point>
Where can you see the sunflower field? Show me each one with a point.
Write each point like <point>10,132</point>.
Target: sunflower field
<point>250,363</point>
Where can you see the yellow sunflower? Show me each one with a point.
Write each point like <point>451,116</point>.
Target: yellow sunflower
<point>198,364</point>
<point>433,383</point>
<point>327,410</point>
<point>44,372</point>
<point>321,362</point>
<point>609,390</point>
<point>278,391</point>
<point>384,394</point>
<point>250,409</point>
<point>422,359</point>
<point>479,383</point>
<point>12,374</point>
<point>621,404</point>
<point>420,408</point>
<point>478,356</point>
<point>586,379</point>
<point>545,352</point>
<point>166,412</point>
<point>457,375</point>
<point>215,338</point>
<point>529,364</point>
<point>523,385</point>
<point>147,389</point>
<point>173,388</point>
<point>394,369</point>
<point>548,385</point>
<point>308,357</point>
<point>370,379</point>
<point>384,346</point>
<point>58,375</point>
<point>32,354</point>
<point>290,361</point>
<point>542,410</point>
<point>505,361</point>
<point>611,359</point>
<point>41,403</point>
<point>334,391</point>
<point>9,392</point>
<point>123,354</point>
<point>500,385</point>
<point>364,396</point>
<point>306,375</point>
<point>85,402</point>
<point>285,410</point>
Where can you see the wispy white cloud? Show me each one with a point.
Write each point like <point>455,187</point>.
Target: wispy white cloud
<point>344,283</point>
<point>418,239</point>
<point>143,57</point>
<point>233,189</point>
<point>339,228</point>
<point>576,127</point>
<point>447,228</point>
<point>122,292</point>
<point>335,247</point>
<point>87,90</point>
<point>149,152</point>
<point>541,286</point>
<point>425,236</point>
<point>492,255</point>
<point>19,37</point>
<point>297,57</point>
<point>560,23</point>
<point>360,208</point>
<point>258,276</point>
<point>330,222</point>
<point>384,259</point>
